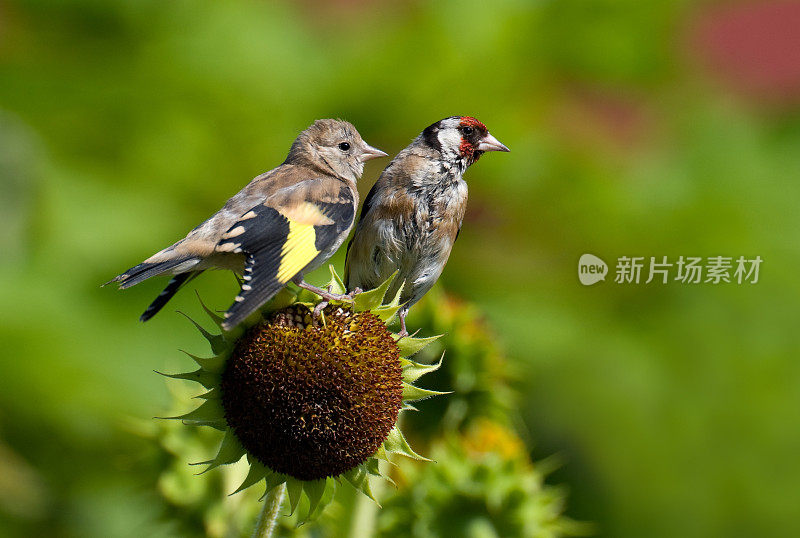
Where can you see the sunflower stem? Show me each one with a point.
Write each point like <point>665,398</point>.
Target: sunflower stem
<point>268,519</point>
<point>365,513</point>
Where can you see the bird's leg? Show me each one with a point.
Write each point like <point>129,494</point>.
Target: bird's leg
<point>321,306</point>
<point>402,314</point>
<point>325,294</point>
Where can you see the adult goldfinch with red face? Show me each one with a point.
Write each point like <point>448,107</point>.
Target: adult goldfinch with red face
<point>283,224</point>
<point>413,213</point>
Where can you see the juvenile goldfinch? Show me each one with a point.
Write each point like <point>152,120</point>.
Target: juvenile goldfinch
<point>284,223</point>
<point>413,214</point>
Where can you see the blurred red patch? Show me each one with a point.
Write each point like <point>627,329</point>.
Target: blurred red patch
<point>752,46</point>
<point>330,14</point>
<point>606,119</point>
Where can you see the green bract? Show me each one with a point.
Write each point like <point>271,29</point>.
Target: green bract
<point>310,401</point>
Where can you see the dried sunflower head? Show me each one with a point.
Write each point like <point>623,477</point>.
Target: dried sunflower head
<point>310,401</point>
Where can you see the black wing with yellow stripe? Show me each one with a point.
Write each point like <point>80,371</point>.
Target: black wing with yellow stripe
<point>281,242</point>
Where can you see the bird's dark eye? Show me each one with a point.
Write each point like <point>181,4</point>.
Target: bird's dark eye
<point>344,146</point>
<point>467,130</point>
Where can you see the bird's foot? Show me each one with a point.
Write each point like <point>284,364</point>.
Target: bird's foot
<point>404,334</point>
<point>355,292</point>
<point>319,308</point>
<point>327,295</point>
<point>403,331</point>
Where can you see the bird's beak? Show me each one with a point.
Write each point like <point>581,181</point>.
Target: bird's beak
<point>490,143</point>
<point>368,152</point>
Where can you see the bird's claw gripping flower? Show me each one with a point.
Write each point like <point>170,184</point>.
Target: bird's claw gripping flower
<point>311,400</point>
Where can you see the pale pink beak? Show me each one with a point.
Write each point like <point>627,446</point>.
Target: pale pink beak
<point>368,152</point>
<point>490,143</point>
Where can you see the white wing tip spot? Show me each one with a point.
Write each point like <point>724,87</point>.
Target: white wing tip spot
<point>229,247</point>
<point>234,232</point>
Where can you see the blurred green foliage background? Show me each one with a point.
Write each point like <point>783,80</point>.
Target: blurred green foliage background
<point>636,128</point>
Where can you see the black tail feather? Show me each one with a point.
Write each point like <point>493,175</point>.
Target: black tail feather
<point>143,271</point>
<point>172,288</point>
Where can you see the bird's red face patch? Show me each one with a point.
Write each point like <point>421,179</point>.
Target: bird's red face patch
<point>468,147</point>
<point>469,121</point>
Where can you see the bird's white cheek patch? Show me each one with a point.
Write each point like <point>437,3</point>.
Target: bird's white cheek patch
<point>450,139</point>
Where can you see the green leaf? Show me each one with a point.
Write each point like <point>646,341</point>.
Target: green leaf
<point>213,364</point>
<point>230,451</point>
<point>336,285</point>
<point>368,300</point>
<point>395,443</point>
<point>414,370</point>
<point>372,465</point>
<point>217,341</point>
<point>213,394</point>
<point>359,478</point>
<point>385,313</point>
<point>314,489</point>
<point>383,455</point>
<point>319,505</point>
<point>412,393</point>
<point>295,489</point>
<point>256,473</point>
<point>274,480</point>
<point>209,411</point>
<point>216,318</point>
<point>396,300</point>
<point>207,379</point>
<point>307,297</point>
<point>220,424</point>
<point>410,345</point>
